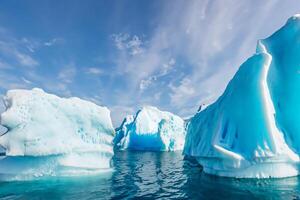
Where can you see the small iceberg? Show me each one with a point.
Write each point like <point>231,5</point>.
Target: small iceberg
<point>151,129</point>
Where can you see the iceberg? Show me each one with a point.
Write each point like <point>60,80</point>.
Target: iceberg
<point>151,129</point>
<point>253,129</point>
<point>49,135</point>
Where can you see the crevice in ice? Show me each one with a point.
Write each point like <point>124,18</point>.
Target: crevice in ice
<point>2,151</point>
<point>4,130</point>
<point>224,133</point>
<point>278,143</point>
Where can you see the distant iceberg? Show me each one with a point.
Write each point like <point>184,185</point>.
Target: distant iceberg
<point>253,129</point>
<point>151,129</point>
<point>48,135</point>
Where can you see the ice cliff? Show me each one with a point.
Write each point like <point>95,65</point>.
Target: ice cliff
<point>253,129</point>
<point>151,129</point>
<point>48,134</point>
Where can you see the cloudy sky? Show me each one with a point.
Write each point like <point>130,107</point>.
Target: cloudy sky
<point>128,53</point>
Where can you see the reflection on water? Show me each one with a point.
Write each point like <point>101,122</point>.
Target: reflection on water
<point>150,175</point>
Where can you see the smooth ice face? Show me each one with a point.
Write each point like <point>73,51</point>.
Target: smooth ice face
<point>151,129</point>
<point>77,133</point>
<point>253,129</point>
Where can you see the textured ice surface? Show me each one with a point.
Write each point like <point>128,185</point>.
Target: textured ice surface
<point>70,132</point>
<point>253,129</point>
<point>151,129</point>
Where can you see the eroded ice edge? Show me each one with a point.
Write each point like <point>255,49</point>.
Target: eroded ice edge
<point>52,136</point>
<point>253,129</point>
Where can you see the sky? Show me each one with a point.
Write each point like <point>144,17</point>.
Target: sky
<point>125,54</point>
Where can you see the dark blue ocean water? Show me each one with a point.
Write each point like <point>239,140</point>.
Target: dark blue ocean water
<point>151,175</point>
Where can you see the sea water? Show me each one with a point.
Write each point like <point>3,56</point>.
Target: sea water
<point>151,175</point>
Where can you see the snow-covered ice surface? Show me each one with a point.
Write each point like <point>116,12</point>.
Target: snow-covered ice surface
<point>151,129</point>
<point>49,135</point>
<point>253,129</point>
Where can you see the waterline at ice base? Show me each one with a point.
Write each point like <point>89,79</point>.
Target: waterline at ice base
<point>49,136</point>
<point>253,129</point>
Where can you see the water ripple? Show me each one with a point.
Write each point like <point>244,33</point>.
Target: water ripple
<point>151,175</point>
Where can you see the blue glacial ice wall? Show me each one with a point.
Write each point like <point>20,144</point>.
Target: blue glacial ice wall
<point>151,129</point>
<point>253,129</point>
<point>52,135</point>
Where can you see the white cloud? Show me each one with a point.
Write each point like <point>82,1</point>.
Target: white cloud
<point>22,50</point>
<point>181,93</point>
<point>94,71</point>
<point>132,44</point>
<point>120,40</point>
<point>30,44</point>
<point>52,42</point>
<point>26,80</point>
<point>135,45</point>
<point>67,74</point>
<point>25,59</point>
<point>165,69</point>
<point>34,44</point>
<point>9,81</point>
<point>212,38</point>
<point>204,42</point>
<point>12,50</point>
<point>144,84</point>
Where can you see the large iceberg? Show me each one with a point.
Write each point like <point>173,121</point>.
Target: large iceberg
<point>253,129</point>
<point>49,135</point>
<point>151,129</point>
